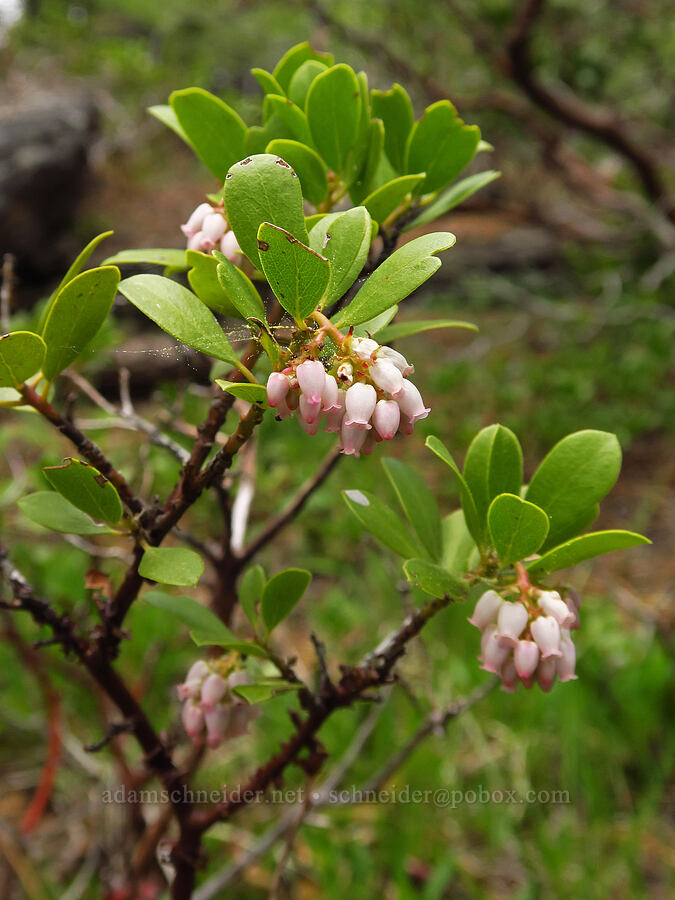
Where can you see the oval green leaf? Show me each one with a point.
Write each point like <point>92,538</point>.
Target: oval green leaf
<point>333,109</point>
<point>308,166</point>
<point>251,393</point>
<point>344,239</point>
<point>296,273</point>
<point>382,522</point>
<point>291,61</point>
<point>493,465</point>
<point>517,528</point>
<point>171,565</point>
<point>584,547</point>
<point>250,590</point>
<point>473,522</point>
<point>441,145</point>
<point>387,198</point>
<point>21,355</point>
<point>395,109</point>
<point>152,256</point>
<point>214,130</point>
<point>84,486</point>
<point>434,580</point>
<point>290,115</point>
<point>405,329</point>
<point>51,510</point>
<point>281,594</point>
<point>75,316</point>
<point>418,504</point>
<point>455,194</point>
<point>302,80</point>
<point>267,82</point>
<point>397,277</point>
<point>204,281</point>
<point>178,312</point>
<point>240,290</point>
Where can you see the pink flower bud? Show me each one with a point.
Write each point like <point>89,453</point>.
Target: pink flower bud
<point>198,670</point>
<point>511,623</point>
<point>335,416</point>
<point>308,410</point>
<point>329,395</point>
<point>386,376</point>
<point>546,632</point>
<point>369,444</point>
<point>486,609</point>
<point>494,654</point>
<point>214,226</point>
<point>201,242</point>
<point>546,673</point>
<point>194,223</point>
<point>526,657</point>
<point>568,657</point>
<point>386,418</point>
<point>213,690</point>
<point>229,246</point>
<point>398,359</point>
<point>311,377</point>
<point>573,602</point>
<point>410,401</point>
<point>363,348</point>
<point>193,720</point>
<point>509,676</point>
<point>353,438</point>
<point>360,404</point>
<point>312,427</point>
<point>216,724</point>
<point>553,605</point>
<point>407,425</point>
<point>277,387</point>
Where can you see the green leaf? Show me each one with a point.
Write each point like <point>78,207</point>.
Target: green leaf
<point>178,312</point>
<point>344,239</point>
<point>302,80</point>
<point>297,275</point>
<point>240,290</point>
<point>51,510</point>
<point>518,528</point>
<point>433,579</point>
<point>375,325</point>
<point>397,277</point>
<point>264,690</point>
<point>395,109</point>
<point>261,189</point>
<point>290,115</point>
<point>251,393</point>
<point>165,114</point>
<point>358,158</point>
<point>441,145</point>
<point>84,486</point>
<point>250,590</point>
<point>572,527</point>
<point>577,473</point>
<point>361,186</point>
<point>267,82</point>
<point>584,547</point>
<point>291,61</point>
<point>386,199</point>
<point>21,355</point>
<point>204,281</point>
<point>171,565</point>
<point>459,550</point>
<point>418,504</point>
<point>308,166</point>
<point>333,109</point>
<point>405,329</point>
<point>82,258</point>
<point>205,627</point>
<point>473,522</point>
<point>75,316</point>
<point>215,130</point>
<point>280,595</point>
<point>381,521</point>
<point>493,465</point>
<point>455,194</point>
<point>150,256</point>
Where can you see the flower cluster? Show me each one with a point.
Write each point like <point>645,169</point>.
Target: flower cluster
<point>527,639</point>
<point>363,392</point>
<point>210,707</point>
<point>207,228</point>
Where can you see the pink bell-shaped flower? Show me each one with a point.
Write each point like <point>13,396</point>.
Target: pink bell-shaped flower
<point>229,246</point>
<point>197,216</point>
<point>410,401</point>
<point>310,428</point>
<point>553,605</point>
<point>352,438</point>
<point>511,623</point>
<point>398,359</point>
<point>213,690</point>
<point>311,377</point>
<point>568,657</point>
<point>278,386</point>
<point>546,672</point>
<point>216,720</point>
<point>486,609</point>
<point>363,348</point>
<point>308,410</point>
<point>509,676</point>
<point>329,395</point>
<point>386,418</point>
<point>201,242</point>
<point>494,654</point>
<point>335,416</point>
<point>526,658</point>
<point>193,720</point>
<point>360,405</point>
<point>214,227</point>
<point>546,632</point>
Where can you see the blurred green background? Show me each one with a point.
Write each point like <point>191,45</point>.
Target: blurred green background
<point>567,265</point>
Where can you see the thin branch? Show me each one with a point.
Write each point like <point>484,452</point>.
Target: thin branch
<point>292,509</point>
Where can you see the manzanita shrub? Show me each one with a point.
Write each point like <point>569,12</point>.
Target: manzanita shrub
<point>299,242</point>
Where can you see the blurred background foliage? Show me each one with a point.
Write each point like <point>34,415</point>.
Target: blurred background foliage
<point>566,264</point>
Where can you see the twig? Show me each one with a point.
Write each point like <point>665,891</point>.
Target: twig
<point>113,729</point>
<point>241,506</point>
<point>294,506</point>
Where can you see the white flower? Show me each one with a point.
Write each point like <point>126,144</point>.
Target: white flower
<point>386,376</point>
<point>526,658</point>
<point>213,690</point>
<point>352,438</point>
<point>363,348</point>
<point>229,246</point>
<point>386,418</point>
<point>194,223</point>
<point>360,404</point>
<point>216,720</point>
<point>335,416</point>
<point>201,242</point>
<point>568,657</point>
<point>486,609</point>
<point>398,359</point>
<point>494,655</point>
<point>410,401</point>
<point>511,623</point>
<point>546,632</point>
<point>193,719</point>
<point>278,386</point>
<point>311,377</point>
<point>329,395</point>
<point>214,226</point>
<point>308,410</point>
<point>553,605</point>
